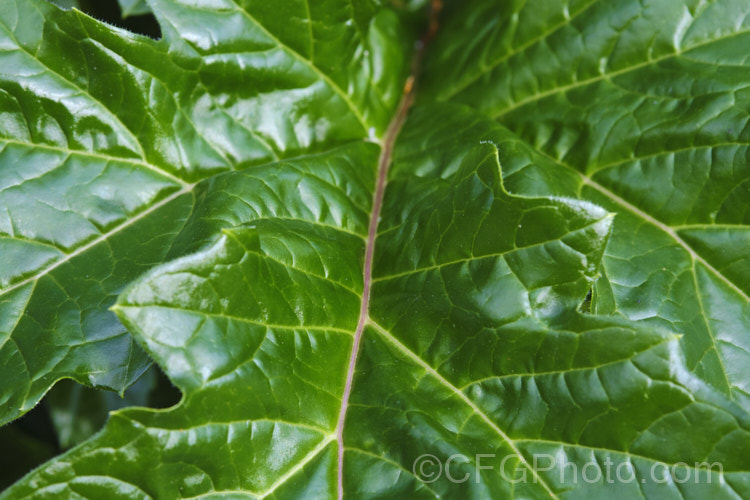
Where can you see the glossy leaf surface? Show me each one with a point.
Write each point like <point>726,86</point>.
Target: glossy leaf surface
<point>104,134</point>
<point>471,344</point>
<point>642,108</point>
<point>340,291</point>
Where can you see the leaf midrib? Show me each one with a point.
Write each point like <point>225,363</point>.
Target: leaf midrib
<point>384,163</point>
<point>364,320</point>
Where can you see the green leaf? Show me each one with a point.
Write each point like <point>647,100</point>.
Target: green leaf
<point>304,369</point>
<point>104,135</point>
<point>133,8</point>
<point>340,291</point>
<point>640,107</point>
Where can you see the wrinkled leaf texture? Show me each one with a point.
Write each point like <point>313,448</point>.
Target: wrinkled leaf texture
<point>223,183</point>
<point>644,111</point>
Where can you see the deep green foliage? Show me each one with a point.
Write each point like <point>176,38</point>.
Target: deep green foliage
<point>540,248</point>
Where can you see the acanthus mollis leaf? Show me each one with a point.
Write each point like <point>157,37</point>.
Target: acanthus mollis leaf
<point>325,342</point>
<point>640,107</point>
<point>105,134</point>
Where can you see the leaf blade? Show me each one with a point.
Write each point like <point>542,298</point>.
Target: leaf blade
<point>639,109</point>
<point>105,136</point>
<point>465,379</point>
